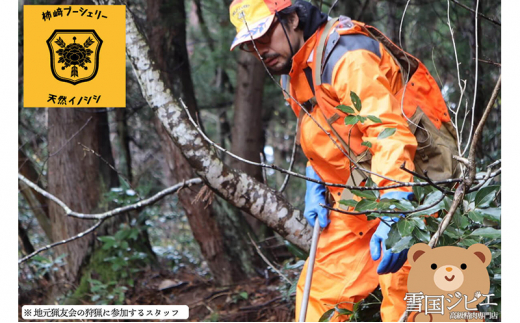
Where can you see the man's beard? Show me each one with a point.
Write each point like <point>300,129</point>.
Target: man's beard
<point>285,69</point>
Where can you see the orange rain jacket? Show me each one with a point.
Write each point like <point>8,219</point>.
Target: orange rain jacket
<point>344,270</point>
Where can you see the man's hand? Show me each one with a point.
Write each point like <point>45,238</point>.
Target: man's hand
<point>391,262</point>
<point>314,196</point>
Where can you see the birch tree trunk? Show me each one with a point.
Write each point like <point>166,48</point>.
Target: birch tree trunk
<point>239,189</point>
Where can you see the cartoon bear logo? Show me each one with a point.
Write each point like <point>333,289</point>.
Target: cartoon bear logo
<point>445,280</point>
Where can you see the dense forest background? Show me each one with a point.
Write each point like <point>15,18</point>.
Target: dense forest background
<point>194,247</point>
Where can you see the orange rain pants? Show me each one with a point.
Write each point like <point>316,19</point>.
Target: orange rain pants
<point>344,270</point>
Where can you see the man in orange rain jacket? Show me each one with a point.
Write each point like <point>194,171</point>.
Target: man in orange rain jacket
<point>351,259</point>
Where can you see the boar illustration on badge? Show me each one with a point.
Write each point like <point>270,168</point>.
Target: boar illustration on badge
<point>74,55</point>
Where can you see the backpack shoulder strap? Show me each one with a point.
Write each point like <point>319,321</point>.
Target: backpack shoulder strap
<point>319,51</point>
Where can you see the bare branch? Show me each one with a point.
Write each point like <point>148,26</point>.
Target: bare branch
<point>293,154</point>
<point>481,15</point>
<point>267,260</point>
<point>476,82</point>
<point>426,178</point>
<point>119,210</point>
<point>489,62</point>
<point>109,165</point>
<point>480,127</point>
<point>459,195</point>
<point>52,245</point>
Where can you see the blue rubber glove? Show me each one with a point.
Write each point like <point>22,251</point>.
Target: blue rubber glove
<point>314,196</point>
<point>391,262</point>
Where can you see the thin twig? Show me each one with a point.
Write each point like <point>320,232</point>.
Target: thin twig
<point>476,81</point>
<point>267,260</point>
<point>480,127</point>
<point>426,178</point>
<point>52,245</point>
<point>460,83</point>
<point>287,177</point>
<point>119,210</point>
<point>481,15</point>
<point>489,62</point>
<point>112,167</point>
<point>264,175</point>
<point>459,195</point>
<point>332,7</point>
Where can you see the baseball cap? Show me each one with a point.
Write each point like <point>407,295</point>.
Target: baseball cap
<point>258,14</point>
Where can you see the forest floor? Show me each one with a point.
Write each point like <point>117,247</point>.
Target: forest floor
<point>255,300</point>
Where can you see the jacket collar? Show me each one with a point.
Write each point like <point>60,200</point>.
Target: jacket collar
<point>304,56</point>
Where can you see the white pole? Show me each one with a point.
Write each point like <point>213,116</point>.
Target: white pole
<point>310,267</point>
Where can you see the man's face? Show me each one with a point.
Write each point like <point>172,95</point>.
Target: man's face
<point>274,46</point>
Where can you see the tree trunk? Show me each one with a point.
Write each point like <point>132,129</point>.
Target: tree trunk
<point>125,160</point>
<point>394,8</point>
<point>36,201</point>
<point>24,240</point>
<point>77,177</point>
<point>247,136</point>
<point>219,237</point>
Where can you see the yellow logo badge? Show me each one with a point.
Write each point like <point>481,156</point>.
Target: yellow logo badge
<point>74,56</point>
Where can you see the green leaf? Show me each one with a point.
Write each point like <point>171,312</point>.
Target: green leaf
<point>345,109</point>
<point>297,252</point>
<point>485,196</point>
<point>355,100</point>
<point>468,242</point>
<point>405,227</point>
<point>244,295</point>
<point>421,235</point>
<point>432,224</point>
<point>476,216</point>
<point>115,267</point>
<point>393,237</point>
<point>419,222</point>
<point>351,120</point>
<point>122,234</point>
<point>370,183</point>
<point>343,311</point>
<point>348,203</point>
<point>418,191</point>
<point>327,315</point>
<point>460,220</point>
<point>362,119</point>
<point>404,243</point>
<point>492,213</point>
<point>386,133</point>
<point>374,119</point>
<point>365,205</point>
<point>453,232</point>
<point>366,144</point>
<point>107,239</point>
<point>429,200</point>
<point>487,232</point>
<point>366,194</point>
